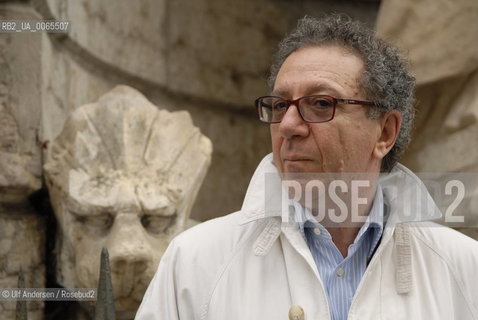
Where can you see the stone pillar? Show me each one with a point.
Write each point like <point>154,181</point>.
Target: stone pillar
<point>22,238</point>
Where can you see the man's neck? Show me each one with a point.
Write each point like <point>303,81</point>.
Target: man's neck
<point>344,233</point>
<point>343,238</point>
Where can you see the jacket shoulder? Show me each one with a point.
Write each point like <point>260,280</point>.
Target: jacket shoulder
<point>217,235</point>
<point>210,247</point>
<point>191,266</point>
<point>458,251</point>
<point>451,245</point>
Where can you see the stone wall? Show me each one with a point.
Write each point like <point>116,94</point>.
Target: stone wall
<point>210,58</point>
<point>22,237</point>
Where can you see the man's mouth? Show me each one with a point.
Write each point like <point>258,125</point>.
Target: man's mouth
<point>296,158</point>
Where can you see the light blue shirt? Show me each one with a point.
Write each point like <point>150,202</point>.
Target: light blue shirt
<point>341,276</point>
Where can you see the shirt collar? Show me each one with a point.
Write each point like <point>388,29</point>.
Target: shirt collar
<point>375,219</point>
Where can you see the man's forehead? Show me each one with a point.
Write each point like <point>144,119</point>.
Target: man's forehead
<point>312,88</point>
<point>323,55</point>
<point>318,70</point>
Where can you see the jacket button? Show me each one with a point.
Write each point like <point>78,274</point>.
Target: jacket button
<point>296,313</point>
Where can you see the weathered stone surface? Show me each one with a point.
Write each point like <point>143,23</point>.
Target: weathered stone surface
<point>66,84</point>
<point>122,175</point>
<point>20,156</point>
<point>103,28</point>
<point>21,244</point>
<point>16,182</point>
<point>437,35</point>
<point>177,49</point>
<point>446,126</point>
<point>22,238</point>
<point>228,57</point>
<point>219,50</point>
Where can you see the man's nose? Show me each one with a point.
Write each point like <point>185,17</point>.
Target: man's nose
<point>292,124</point>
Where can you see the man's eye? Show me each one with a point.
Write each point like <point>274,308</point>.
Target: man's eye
<point>321,103</point>
<point>280,104</point>
<point>157,224</point>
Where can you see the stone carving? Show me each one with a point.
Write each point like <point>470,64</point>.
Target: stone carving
<point>437,35</point>
<point>123,175</point>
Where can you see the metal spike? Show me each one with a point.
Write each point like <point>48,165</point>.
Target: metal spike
<point>21,307</point>
<point>105,307</point>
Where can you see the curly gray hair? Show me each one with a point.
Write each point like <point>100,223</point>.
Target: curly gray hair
<point>385,79</point>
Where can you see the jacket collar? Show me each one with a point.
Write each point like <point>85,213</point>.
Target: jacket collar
<point>263,196</point>
<point>404,194</point>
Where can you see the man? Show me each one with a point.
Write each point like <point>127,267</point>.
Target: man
<point>341,104</point>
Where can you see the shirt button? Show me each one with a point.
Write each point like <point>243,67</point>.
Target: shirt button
<point>340,272</point>
<point>317,231</point>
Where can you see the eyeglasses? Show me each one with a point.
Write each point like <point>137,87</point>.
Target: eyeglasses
<point>316,108</point>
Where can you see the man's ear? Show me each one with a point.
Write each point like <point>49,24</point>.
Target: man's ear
<point>390,124</point>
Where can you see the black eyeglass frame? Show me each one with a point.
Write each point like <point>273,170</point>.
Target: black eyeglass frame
<point>297,101</point>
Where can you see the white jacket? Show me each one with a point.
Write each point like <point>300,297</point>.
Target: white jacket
<point>250,266</point>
